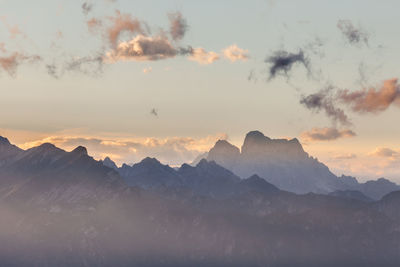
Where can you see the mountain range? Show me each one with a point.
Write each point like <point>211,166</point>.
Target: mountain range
<point>62,208</point>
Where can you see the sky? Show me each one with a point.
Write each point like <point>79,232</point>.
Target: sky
<point>130,79</point>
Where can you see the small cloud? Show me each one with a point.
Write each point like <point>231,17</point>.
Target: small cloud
<point>147,70</point>
<point>86,8</point>
<point>234,53</point>
<point>353,35</point>
<point>123,23</point>
<point>372,100</point>
<point>202,56</point>
<point>325,101</point>
<point>344,156</point>
<point>281,62</point>
<point>178,26</point>
<point>11,63</point>
<point>94,24</point>
<point>143,48</point>
<point>326,134</point>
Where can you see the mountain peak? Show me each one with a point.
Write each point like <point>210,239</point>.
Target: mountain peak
<point>149,160</point>
<point>4,140</point>
<point>81,150</point>
<point>109,163</point>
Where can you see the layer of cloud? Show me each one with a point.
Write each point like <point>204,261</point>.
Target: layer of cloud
<point>178,26</point>
<point>326,134</point>
<point>234,53</point>
<point>385,152</point>
<point>354,35</point>
<point>281,62</point>
<point>325,101</point>
<point>172,150</point>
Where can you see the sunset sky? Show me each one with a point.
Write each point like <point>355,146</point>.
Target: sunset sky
<point>129,79</point>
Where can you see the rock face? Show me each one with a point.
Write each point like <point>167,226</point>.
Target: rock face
<point>49,174</point>
<point>281,162</point>
<point>285,164</point>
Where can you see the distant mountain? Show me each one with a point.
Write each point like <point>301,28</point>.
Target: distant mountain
<point>150,173</point>
<point>351,194</point>
<point>373,189</point>
<point>61,208</point>
<point>49,174</point>
<point>285,164</point>
<point>282,162</point>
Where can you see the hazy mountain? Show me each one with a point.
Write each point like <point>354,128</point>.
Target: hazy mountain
<point>285,164</point>
<point>63,208</point>
<point>351,194</point>
<point>282,162</point>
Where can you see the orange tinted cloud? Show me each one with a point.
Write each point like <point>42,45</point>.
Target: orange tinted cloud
<point>373,99</point>
<point>11,63</point>
<point>234,53</point>
<point>202,56</point>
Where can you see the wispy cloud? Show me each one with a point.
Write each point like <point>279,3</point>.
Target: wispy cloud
<point>354,35</point>
<point>10,63</point>
<point>373,99</point>
<point>178,26</point>
<point>326,134</point>
<point>325,101</point>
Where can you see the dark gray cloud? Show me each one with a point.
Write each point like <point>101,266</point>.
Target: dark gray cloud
<point>86,8</point>
<point>88,65</point>
<point>281,62</point>
<point>354,35</point>
<point>325,101</point>
<point>178,26</point>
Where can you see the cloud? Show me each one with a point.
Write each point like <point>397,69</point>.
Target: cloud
<point>13,30</point>
<point>143,48</point>
<point>123,23</point>
<point>11,63</point>
<point>325,101</point>
<point>281,62</point>
<point>385,153</point>
<point>171,150</point>
<point>346,156</point>
<point>202,56</point>
<point>326,134</point>
<point>3,47</point>
<point>372,100</point>
<point>147,70</point>
<point>234,53</point>
<point>86,8</point>
<point>353,35</point>
<point>94,24</point>
<point>178,26</point>
<point>88,65</point>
